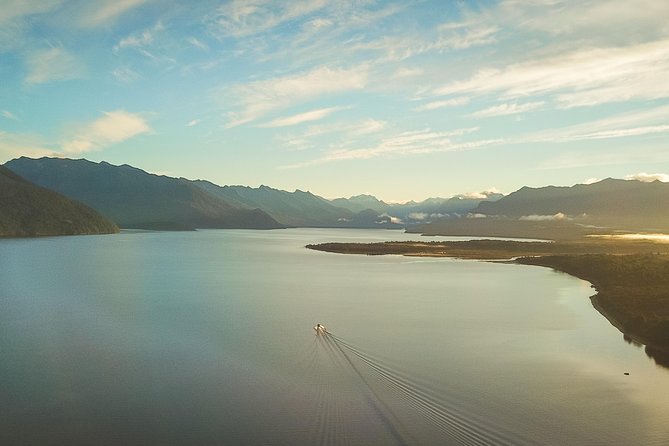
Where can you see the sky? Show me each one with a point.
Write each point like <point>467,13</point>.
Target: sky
<point>404,100</point>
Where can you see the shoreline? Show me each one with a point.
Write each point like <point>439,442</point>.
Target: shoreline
<point>631,279</point>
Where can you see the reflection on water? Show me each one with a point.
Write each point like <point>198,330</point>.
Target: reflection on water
<point>207,338</point>
<point>658,238</point>
<point>660,357</point>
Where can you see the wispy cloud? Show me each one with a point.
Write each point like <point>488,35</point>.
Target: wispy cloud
<point>12,10</point>
<point>512,108</point>
<point>434,105</point>
<point>9,115</point>
<point>578,159</point>
<point>403,144</point>
<point>593,19</point>
<point>628,124</point>
<point>197,43</point>
<point>241,18</point>
<point>534,217</point>
<point>313,115</point>
<point>149,43</point>
<point>112,128</point>
<point>101,12</point>
<point>580,78</point>
<point>13,145</point>
<point>126,74</point>
<point>53,64</point>
<point>258,98</point>
<point>334,133</point>
<point>193,123</point>
<point>405,72</point>
<point>140,40</point>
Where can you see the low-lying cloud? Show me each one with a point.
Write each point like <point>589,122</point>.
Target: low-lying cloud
<point>556,217</point>
<point>648,177</point>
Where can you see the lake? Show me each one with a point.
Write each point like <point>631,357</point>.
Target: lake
<point>207,338</point>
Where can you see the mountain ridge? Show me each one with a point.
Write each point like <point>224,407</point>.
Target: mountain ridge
<point>28,210</point>
<point>134,198</point>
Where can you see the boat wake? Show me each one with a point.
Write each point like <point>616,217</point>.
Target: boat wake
<point>397,400</point>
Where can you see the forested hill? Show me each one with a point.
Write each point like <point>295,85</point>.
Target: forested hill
<point>27,210</point>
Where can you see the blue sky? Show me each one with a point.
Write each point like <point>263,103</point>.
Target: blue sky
<point>403,100</point>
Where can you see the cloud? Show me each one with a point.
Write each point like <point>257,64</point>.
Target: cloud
<point>556,217</point>
<point>125,74</point>
<point>420,216</point>
<point>9,115</point>
<point>112,128</point>
<point>405,72</point>
<point>13,145</point>
<point>403,144</point>
<point>193,123</point>
<point>476,215</point>
<point>148,44</point>
<point>333,133</point>
<point>454,102</point>
<point>139,40</point>
<point>474,36</point>
<point>197,43</point>
<point>578,159</point>
<point>619,133</point>
<point>506,109</point>
<point>255,99</point>
<point>104,11</point>
<point>242,18</point>
<point>480,195</point>
<point>580,78</point>
<point>54,64</point>
<point>398,48</point>
<point>406,143</point>
<point>632,123</point>
<point>313,115</point>
<point>12,10</point>
<point>594,19</point>
<point>649,177</point>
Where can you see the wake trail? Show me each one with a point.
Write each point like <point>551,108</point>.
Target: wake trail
<point>459,427</point>
<point>387,417</point>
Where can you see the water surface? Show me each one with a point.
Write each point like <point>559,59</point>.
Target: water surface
<point>206,338</point>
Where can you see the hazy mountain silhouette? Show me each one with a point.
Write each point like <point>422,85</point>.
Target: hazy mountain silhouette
<point>134,198</point>
<point>619,204</point>
<point>298,208</point>
<point>429,210</point>
<point>565,212</point>
<point>28,210</point>
<point>361,203</point>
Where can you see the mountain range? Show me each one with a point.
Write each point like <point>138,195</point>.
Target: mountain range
<point>566,212</point>
<point>134,198</point>
<point>27,210</point>
<point>625,204</point>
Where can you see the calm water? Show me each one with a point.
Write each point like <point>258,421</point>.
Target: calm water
<point>206,338</point>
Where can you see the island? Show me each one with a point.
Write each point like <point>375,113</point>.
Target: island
<point>631,277</point>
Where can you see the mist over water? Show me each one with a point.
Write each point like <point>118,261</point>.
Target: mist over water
<point>206,338</point>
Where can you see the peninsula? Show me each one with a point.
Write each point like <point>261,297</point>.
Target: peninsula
<point>631,277</point>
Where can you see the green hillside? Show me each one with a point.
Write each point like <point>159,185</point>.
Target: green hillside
<point>27,210</point>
